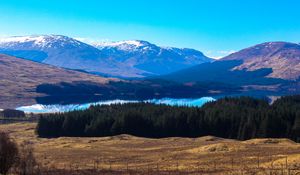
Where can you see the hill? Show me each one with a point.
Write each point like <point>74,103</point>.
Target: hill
<point>19,79</point>
<point>272,66</point>
<point>282,57</point>
<point>25,82</point>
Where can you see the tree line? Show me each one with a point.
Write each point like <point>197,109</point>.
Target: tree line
<point>236,118</point>
<point>12,113</point>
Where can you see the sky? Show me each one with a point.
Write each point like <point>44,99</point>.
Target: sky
<point>215,27</point>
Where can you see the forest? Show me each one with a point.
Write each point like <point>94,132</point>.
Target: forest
<point>230,117</point>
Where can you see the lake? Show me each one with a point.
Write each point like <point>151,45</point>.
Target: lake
<point>41,108</point>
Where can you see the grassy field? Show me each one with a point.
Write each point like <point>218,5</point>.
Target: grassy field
<point>128,154</point>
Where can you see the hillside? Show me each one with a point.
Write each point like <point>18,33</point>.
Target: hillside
<point>130,59</point>
<point>66,52</point>
<point>25,82</point>
<point>273,66</point>
<point>19,79</point>
<point>150,57</point>
<point>282,57</point>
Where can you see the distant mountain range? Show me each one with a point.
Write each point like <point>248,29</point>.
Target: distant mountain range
<point>272,66</point>
<point>151,58</point>
<point>25,82</point>
<point>129,59</point>
<point>55,69</point>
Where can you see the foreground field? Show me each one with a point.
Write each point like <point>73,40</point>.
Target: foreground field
<point>128,154</point>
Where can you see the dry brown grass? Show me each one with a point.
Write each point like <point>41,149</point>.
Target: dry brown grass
<point>19,79</point>
<point>204,154</point>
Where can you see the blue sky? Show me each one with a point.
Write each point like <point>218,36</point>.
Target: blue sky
<point>215,27</point>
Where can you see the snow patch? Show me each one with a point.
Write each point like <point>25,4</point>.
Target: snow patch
<point>127,45</point>
<point>37,40</point>
<point>135,43</point>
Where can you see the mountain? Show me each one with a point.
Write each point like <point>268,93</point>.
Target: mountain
<point>65,52</point>
<point>282,57</point>
<point>129,59</point>
<point>272,66</point>
<point>150,57</point>
<point>20,78</point>
<point>25,82</point>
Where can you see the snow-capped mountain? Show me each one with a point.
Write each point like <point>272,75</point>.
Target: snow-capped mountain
<point>39,41</point>
<point>150,57</point>
<point>122,45</point>
<point>65,52</point>
<point>122,59</point>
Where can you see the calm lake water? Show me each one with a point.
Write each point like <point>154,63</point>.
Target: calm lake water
<point>40,108</point>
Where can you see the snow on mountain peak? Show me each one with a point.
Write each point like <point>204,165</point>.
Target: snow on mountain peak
<point>123,45</point>
<point>37,40</point>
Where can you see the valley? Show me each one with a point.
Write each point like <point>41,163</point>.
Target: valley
<point>149,87</point>
<point>135,155</point>
<point>43,78</point>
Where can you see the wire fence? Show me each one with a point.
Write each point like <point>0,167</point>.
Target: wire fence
<point>256,165</point>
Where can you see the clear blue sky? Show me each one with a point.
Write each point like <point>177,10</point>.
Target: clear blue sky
<point>212,26</point>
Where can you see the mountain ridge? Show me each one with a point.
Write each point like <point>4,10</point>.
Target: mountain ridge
<point>132,59</point>
<point>270,66</point>
<point>152,58</point>
<point>282,57</point>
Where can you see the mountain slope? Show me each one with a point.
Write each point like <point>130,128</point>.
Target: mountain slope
<point>282,57</point>
<point>152,58</point>
<point>268,66</point>
<point>24,82</point>
<point>65,52</point>
<point>130,59</point>
<point>19,79</point>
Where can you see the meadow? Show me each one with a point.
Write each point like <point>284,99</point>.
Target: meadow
<point>126,154</point>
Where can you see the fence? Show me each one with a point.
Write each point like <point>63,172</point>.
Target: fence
<point>256,165</point>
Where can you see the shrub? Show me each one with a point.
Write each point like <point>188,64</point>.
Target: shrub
<point>8,153</point>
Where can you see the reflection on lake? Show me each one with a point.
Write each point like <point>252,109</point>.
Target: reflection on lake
<point>40,108</point>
